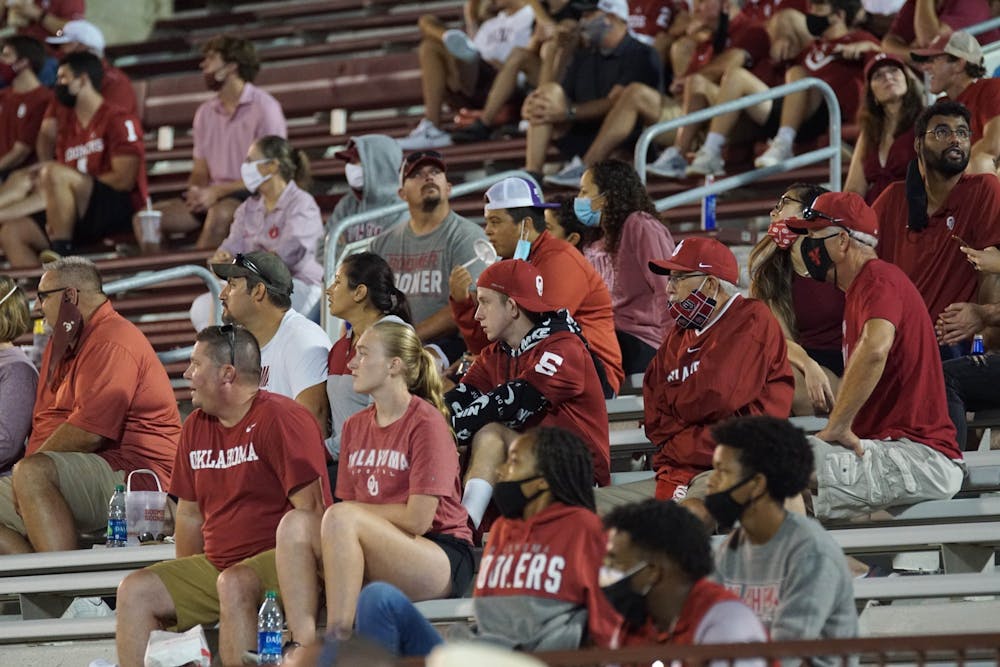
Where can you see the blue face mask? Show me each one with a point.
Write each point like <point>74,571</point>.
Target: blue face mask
<point>523,246</point>
<point>586,215</point>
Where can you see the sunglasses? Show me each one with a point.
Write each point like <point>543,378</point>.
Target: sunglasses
<point>420,155</point>
<point>809,213</point>
<point>230,331</point>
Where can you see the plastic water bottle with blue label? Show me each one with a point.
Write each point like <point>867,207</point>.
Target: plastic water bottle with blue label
<point>270,622</point>
<point>117,526</point>
<point>977,344</point>
<point>708,208</point>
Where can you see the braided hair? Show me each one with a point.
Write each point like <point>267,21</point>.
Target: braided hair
<point>566,464</point>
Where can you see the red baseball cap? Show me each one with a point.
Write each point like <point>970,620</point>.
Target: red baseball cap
<point>350,152</point>
<point>703,255</point>
<point>518,280</point>
<point>840,209</point>
<point>417,159</point>
<point>882,60</point>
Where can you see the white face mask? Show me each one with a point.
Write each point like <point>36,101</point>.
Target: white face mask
<point>355,175</point>
<point>251,175</point>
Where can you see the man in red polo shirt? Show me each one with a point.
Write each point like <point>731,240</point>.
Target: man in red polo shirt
<point>94,186</point>
<point>926,220</point>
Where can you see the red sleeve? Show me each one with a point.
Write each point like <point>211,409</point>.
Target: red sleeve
<point>563,293</point>
<point>558,371</point>
<point>961,13</point>
<point>124,136</point>
<point>433,457</point>
<point>883,304</point>
<point>110,372</point>
<point>349,436</point>
<point>296,452</point>
<point>464,312</point>
<point>987,230</point>
<point>34,112</point>
<point>182,477</point>
<point>753,39</point>
<point>902,25</point>
<point>478,376</point>
<point>65,9</point>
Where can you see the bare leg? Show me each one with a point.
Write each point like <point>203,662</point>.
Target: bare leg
<point>737,83</point>
<point>540,134</point>
<point>505,84</point>
<point>555,56</point>
<point>239,590</point>
<point>681,52</point>
<point>798,106</point>
<point>801,404</point>
<point>33,202</point>
<point>359,546</point>
<point>636,101</point>
<point>489,451</point>
<point>12,542</point>
<point>67,193</point>
<point>298,560</point>
<point>47,516</point>
<point>699,93</point>
<point>434,75</point>
<point>144,605</point>
<point>217,223</point>
<point>18,186</point>
<point>21,241</point>
<point>176,218</point>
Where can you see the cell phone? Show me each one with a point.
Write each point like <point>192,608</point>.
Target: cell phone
<point>960,241</point>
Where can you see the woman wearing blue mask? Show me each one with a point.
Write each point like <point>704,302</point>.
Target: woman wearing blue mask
<point>612,197</point>
<point>280,217</point>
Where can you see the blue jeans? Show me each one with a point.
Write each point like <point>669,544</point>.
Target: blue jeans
<point>387,617</point>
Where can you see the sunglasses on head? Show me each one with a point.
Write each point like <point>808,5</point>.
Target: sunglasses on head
<point>809,213</point>
<point>230,331</point>
<point>420,155</point>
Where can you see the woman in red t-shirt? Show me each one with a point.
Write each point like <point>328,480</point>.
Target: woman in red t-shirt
<point>810,312</point>
<point>401,520</point>
<point>892,102</point>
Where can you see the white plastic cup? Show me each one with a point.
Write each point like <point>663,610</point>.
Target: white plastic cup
<point>165,138</point>
<point>338,122</point>
<point>149,221</point>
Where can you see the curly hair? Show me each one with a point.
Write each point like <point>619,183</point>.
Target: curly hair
<point>771,268</point>
<point>570,224</point>
<point>566,464</point>
<point>664,527</point>
<point>236,50</point>
<point>871,115</point>
<point>949,108</point>
<point>624,195</point>
<point>772,447</point>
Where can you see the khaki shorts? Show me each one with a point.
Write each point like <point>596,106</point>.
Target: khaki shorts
<point>891,473</point>
<point>191,584</point>
<point>86,482</point>
<point>609,497</point>
<point>669,110</point>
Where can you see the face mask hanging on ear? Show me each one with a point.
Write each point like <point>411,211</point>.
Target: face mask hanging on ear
<point>523,248</point>
<point>65,335</point>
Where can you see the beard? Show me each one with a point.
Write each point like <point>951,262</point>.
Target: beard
<point>430,203</point>
<point>946,162</point>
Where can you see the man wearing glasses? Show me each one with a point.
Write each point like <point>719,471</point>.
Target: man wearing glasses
<point>293,349</point>
<point>423,250</point>
<point>725,356</point>
<point>104,407</point>
<point>929,219</point>
<point>888,440</point>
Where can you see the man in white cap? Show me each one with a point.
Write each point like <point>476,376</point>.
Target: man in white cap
<point>917,23</point>
<point>40,19</point>
<point>954,66</point>
<point>116,89</point>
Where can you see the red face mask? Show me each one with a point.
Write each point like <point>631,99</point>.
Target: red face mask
<point>65,335</point>
<point>693,311</point>
<point>782,236</point>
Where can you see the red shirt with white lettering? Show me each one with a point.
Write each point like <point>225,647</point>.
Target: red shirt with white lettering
<point>111,133</point>
<point>735,366</point>
<point>845,76</point>
<point>909,400</point>
<point>648,18</point>
<point>931,257</point>
<point>21,116</point>
<point>241,475</point>
<point>982,97</point>
<point>414,455</point>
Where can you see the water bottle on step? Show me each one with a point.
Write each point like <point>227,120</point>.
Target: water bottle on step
<point>117,528</point>
<point>270,622</point>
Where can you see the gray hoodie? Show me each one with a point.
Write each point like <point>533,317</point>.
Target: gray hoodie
<point>380,159</point>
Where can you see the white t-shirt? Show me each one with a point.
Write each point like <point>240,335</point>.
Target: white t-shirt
<point>498,36</point>
<point>295,357</point>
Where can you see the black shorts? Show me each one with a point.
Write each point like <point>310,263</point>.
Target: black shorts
<point>109,211</point>
<point>831,359</point>
<point>463,563</point>
<point>580,135</point>
<point>812,127</point>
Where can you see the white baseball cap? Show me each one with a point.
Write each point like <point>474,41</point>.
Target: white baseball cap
<point>81,32</point>
<point>617,8</point>
<point>515,193</point>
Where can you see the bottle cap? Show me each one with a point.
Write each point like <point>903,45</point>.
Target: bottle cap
<point>119,487</point>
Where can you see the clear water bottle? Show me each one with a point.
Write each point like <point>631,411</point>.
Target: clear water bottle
<point>708,208</point>
<point>39,340</point>
<point>117,527</point>
<point>270,622</point>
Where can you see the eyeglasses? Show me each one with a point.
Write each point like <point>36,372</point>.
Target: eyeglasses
<point>230,331</point>
<point>944,133</point>
<point>46,293</point>
<point>674,279</point>
<point>784,200</point>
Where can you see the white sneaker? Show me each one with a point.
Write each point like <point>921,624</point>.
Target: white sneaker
<point>425,135</point>
<point>88,608</point>
<point>101,662</point>
<point>460,45</point>
<point>777,152</point>
<point>670,164</point>
<point>706,163</point>
<point>570,175</point>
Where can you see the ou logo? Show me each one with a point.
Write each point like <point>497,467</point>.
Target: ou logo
<point>372,485</point>
<point>538,284</point>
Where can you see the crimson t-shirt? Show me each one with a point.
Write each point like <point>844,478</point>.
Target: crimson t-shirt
<point>21,116</point>
<point>819,313</point>
<point>955,14</point>
<point>931,257</point>
<point>70,10</point>
<point>909,400</point>
<point>845,76</point>
<point>649,17</point>
<point>982,97</point>
<point>414,455</point>
<point>110,133</point>
<point>241,476</point>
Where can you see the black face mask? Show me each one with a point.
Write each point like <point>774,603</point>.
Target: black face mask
<point>630,604</point>
<point>64,97</point>
<point>816,257</point>
<point>817,25</point>
<point>510,499</point>
<point>723,508</point>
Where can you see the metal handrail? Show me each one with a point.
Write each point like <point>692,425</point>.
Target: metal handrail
<point>334,254</point>
<point>985,26</point>
<point>158,277</point>
<point>831,152</point>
